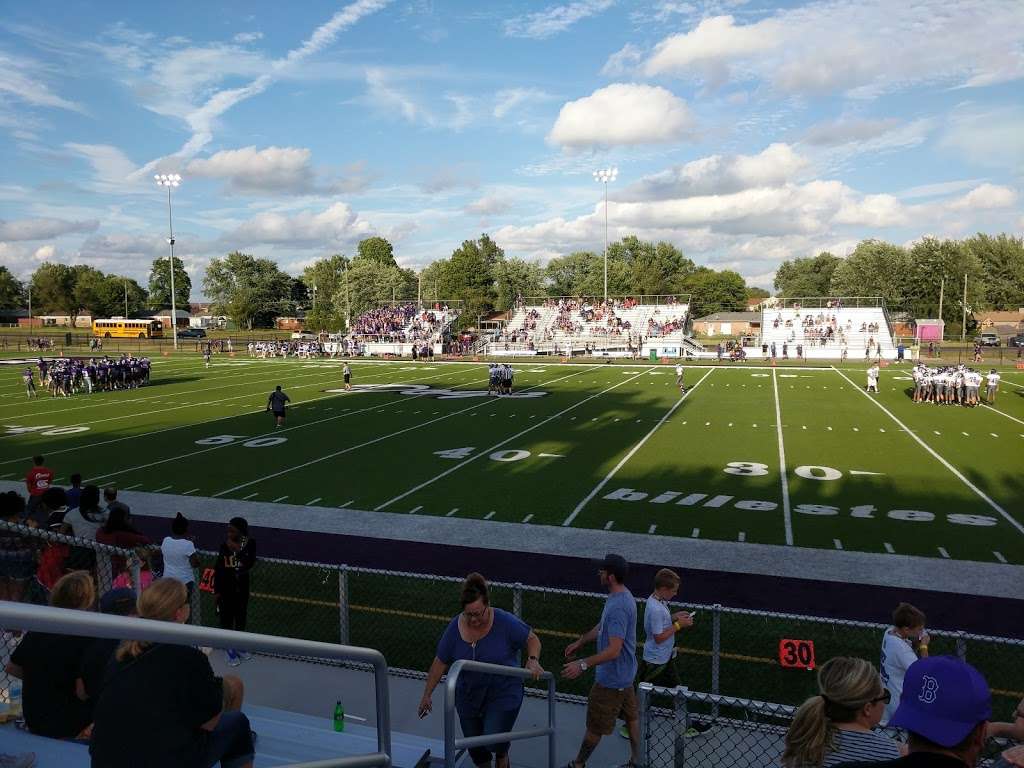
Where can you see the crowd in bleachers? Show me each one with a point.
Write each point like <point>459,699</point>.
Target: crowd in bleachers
<point>402,323</point>
<point>128,699</point>
<point>270,349</point>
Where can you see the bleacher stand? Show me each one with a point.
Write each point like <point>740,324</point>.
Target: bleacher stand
<point>573,325</point>
<point>397,328</point>
<point>827,328</point>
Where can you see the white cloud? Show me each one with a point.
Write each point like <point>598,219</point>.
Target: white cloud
<point>508,99</point>
<point>43,228</point>
<point>248,37</point>
<point>622,113</point>
<point>489,205</point>
<point>865,48</point>
<point>274,170</point>
<point>22,78</point>
<point>837,132</point>
<point>45,253</point>
<point>389,97</point>
<point>335,226</point>
<point>113,170</point>
<point>623,61</point>
<point>989,137</point>
<point>448,177</point>
<point>985,197</point>
<point>717,174</point>
<point>554,19</point>
<point>937,189</point>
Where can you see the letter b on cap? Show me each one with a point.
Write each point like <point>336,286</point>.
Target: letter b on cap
<point>929,689</point>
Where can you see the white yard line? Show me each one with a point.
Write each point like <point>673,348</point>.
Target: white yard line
<point>999,556</point>
<point>504,442</point>
<point>956,472</point>
<point>279,498</point>
<point>1002,413</point>
<point>786,513</point>
<point>418,425</point>
<point>311,502</point>
<point>607,478</point>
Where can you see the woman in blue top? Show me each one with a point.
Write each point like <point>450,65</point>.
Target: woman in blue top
<point>486,703</point>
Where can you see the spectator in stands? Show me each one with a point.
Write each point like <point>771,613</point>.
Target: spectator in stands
<point>110,500</point>
<point>87,518</point>
<point>1014,730</point>
<point>17,552</point>
<point>74,493</point>
<point>236,559</point>
<point>899,651</point>
<point>119,532</point>
<point>53,561</point>
<point>37,480</point>
<point>945,710</point>
<point>837,725</point>
<point>161,705</point>
<point>100,651</point>
<point>612,695</point>
<point>179,552</point>
<point>49,666</point>
<point>486,703</point>
<point>124,580</point>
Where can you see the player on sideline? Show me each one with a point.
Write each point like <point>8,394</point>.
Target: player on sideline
<point>873,379</point>
<point>346,372</point>
<point>492,380</point>
<point>992,387</point>
<point>30,383</point>
<point>276,403</point>
<point>679,377</point>
<point>206,354</point>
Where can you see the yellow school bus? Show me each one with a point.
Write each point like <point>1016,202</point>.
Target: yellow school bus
<point>122,328</point>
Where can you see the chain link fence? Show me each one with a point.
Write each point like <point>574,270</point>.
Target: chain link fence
<point>731,654</point>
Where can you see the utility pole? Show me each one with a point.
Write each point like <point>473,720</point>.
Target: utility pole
<point>963,326</point>
<point>942,289</point>
<point>126,297</point>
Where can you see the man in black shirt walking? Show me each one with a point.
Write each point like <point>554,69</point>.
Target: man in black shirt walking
<point>276,403</point>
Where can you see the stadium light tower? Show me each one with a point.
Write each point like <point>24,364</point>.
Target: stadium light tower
<point>605,175</point>
<point>170,180</point>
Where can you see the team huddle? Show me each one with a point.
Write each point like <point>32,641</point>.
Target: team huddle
<point>955,384</point>
<point>67,377</point>
<point>500,379</point>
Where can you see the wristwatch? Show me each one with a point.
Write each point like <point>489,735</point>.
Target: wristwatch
<point>583,665</point>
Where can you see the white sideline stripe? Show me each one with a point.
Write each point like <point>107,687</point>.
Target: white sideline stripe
<point>279,498</point>
<point>956,472</point>
<point>186,493</point>
<point>250,496</point>
<point>528,518</point>
<point>888,548</point>
<point>129,487</point>
<point>267,434</point>
<point>608,525</point>
<point>311,502</point>
<point>1001,413</point>
<point>786,513</point>
<point>343,506</point>
<point>414,510</point>
<point>607,478</point>
<point>165,488</point>
<point>496,446</point>
<point>943,552</point>
<point>190,424</point>
<point>351,448</point>
<point>489,515</point>
<point>999,557</point>
<point>456,509</point>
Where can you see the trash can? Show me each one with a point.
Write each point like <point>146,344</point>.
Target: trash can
<point>654,355</point>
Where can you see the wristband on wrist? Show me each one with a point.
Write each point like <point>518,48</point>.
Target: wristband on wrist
<point>676,625</point>
<point>533,658</point>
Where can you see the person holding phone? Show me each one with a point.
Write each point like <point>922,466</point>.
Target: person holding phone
<point>658,663</point>
<point>902,644</point>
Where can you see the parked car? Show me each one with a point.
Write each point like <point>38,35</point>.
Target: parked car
<point>988,339</point>
<point>1016,341</point>
<point>192,333</point>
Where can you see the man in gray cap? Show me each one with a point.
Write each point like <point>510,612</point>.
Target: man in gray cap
<point>612,695</point>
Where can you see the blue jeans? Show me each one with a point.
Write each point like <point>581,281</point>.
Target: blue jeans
<point>230,743</point>
<point>487,722</point>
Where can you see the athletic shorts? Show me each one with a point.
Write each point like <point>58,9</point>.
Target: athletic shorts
<point>606,705</point>
<point>279,414</point>
<point>347,377</point>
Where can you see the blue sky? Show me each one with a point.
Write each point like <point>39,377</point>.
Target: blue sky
<point>745,133</point>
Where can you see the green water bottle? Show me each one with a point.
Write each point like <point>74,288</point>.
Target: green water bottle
<point>339,717</point>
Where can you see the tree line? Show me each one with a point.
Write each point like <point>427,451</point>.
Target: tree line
<point>910,279</point>
<point>332,290</point>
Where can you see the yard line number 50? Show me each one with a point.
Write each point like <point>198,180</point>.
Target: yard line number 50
<point>809,472</point>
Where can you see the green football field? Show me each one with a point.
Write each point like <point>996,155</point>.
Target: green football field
<point>775,456</point>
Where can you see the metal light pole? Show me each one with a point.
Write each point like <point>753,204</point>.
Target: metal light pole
<point>170,181</point>
<point>604,175</point>
<point>126,298</point>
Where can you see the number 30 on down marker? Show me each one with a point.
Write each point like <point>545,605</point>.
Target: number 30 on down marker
<point>796,654</point>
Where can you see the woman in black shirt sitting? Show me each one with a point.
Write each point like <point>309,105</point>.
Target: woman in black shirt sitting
<point>162,706</point>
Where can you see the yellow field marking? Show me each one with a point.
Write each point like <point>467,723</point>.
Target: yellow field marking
<point>549,632</point>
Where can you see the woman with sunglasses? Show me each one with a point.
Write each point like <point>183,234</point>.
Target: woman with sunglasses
<point>486,703</point>
<point>838,725</point>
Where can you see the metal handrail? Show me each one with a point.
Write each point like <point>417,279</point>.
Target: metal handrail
<point>67,621</point>
<point>452,744</point>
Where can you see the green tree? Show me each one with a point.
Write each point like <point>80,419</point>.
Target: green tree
<point>432,279</point>
<point>469,276</point>
<point>12,292</point>
<point>712,291</point>
<point>931,262</point>
<point>160,284</point>
<point>112,295</point>
<point>1002,264</point>
<point>250,291</point>
<point>328,275</point>
<point>875,268</point>
<point>53,290</point>
<point>372,284</point>
<point>651,269</point>
<point>580,273</point>
<point>516,277</point>
<point>811,276</point>
<point>90,291</point>
<point>377,249</point>
<point>753,292</point>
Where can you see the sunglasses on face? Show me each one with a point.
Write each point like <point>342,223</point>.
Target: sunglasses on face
<point>475,614</point>
<point>886,697</point>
